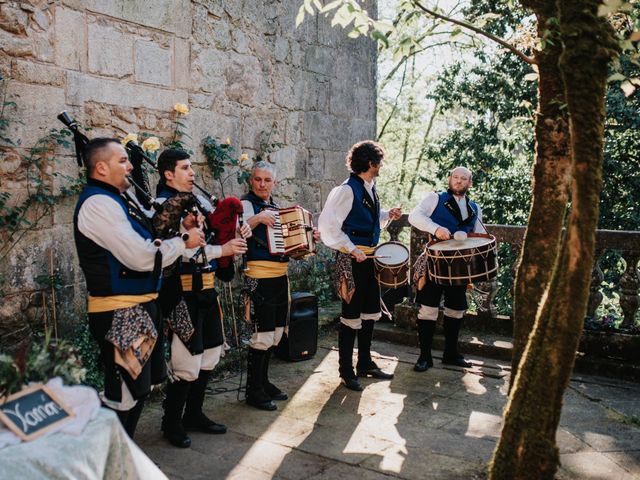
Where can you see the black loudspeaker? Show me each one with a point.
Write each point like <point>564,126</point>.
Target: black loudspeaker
<point>301,343</point>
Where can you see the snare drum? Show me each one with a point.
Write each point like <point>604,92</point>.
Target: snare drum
<point>392,264</point>
<point>461,262</point>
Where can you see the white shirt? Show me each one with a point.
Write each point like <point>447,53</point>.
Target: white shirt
<point>211,251</point>
<point>103,220</point>
<point>335,211</point>
<point>420,216</point>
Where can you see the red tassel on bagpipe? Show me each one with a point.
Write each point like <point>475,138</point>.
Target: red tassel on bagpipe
<point>223,221</point>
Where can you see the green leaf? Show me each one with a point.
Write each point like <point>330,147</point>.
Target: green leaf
<point>531,77</point>
<point>330,6</point>
<point>616,77</point>
<point>300,16</point>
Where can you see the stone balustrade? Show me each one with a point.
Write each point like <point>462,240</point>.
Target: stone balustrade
<point>627,243</point>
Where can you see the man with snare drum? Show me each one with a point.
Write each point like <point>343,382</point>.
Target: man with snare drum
<point>443,215</point>
<point>350,223</point>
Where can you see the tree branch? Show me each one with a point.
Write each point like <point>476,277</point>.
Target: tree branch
<point>479,31</point>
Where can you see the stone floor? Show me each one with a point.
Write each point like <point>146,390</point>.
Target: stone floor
<point>442,424</point>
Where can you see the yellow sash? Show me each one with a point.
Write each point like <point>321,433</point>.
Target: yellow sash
<point>266,269</point>
<point>114,302</point>
<point>208,281</point>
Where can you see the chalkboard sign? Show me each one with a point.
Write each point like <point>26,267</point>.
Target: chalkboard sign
<point>33,411</point>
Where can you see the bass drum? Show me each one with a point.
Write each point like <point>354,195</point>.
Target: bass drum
<point>461,262</point>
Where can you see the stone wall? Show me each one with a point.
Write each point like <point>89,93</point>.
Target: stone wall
<point>119,66</point>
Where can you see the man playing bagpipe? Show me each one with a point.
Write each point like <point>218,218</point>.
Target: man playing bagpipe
<point>122,266</point>
<point>190,304</point>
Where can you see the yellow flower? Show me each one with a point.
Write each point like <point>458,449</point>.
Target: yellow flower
<point>181,108</point>
<point>244,157</point>
<point>131,137</point>
<point>228,141</point>
<point>151,144</point>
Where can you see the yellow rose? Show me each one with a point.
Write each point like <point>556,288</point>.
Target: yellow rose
<point>244,157</point>
<point>151,144</point>
<point>181,108</point>
<point>228,141</point>
<point>131,137</point>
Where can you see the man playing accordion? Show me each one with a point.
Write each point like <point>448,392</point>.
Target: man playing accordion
<point>267,285</point>
<point>190,304</point>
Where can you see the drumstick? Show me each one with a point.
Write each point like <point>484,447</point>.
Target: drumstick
<point>377,256</point>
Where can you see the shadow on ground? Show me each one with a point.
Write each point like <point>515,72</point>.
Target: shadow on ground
<point>441,424</point>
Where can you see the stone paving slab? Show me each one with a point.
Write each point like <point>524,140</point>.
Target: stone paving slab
<point>441,424</point>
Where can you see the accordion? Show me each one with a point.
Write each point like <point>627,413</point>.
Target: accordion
<point>292,234</point>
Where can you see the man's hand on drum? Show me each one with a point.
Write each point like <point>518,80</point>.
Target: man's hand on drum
<point>235,246</point>
<point>358,254</point>
<point>395,213</point>
<point>442,233</point>
<point>316,235</point>
<point>267,217</point>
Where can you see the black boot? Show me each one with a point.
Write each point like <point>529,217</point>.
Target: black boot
<point>451,331</point>
<point>274,392</point>
<point>425,338</point>
<point>172,420</point>
<point>346,340</point>
<point>366,367</point>
<point>194,418</point>
<point>131,421</point>
<point>256,396</point>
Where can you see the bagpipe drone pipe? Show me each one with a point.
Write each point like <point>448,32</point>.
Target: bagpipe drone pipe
<point>220,222</point>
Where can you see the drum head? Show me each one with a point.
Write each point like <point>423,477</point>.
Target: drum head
<point>469,242</point>
<point>392,253</point>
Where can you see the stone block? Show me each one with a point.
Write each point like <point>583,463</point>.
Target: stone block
<point>70,38</point>
<point>240,41</point>
<point>83,88</point>
<point>326,131</point>
<point>260,125</point>
<point>39,104</point>
<point>43,46</point>
<point>342,99</point>
<point>317,92</point>
<point>110,51</point>
<point>15,46</point>
<point>281,49</point>
<point>207,70</point>
<point>168,15</point>
<point>334,165</point>
<point>319,59</point>
<point>201,123</point>
<point>293,129</point>
<point>315,165</point>
<point>182,63</point>
<point>37,73</point>
<point>153,63</point>
<point>243,80</point>
<point>13,19</point>
<point>361,130</point>
<point>290,161</point>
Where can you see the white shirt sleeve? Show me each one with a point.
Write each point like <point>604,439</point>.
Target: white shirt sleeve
<point>420,216</point>
<point>103,220</point>
<point>335,211</point>
<point>247,213</point>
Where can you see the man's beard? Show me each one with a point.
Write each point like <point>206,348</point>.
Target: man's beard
<point>460,192</point>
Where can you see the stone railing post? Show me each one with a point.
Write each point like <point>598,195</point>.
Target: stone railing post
<point>629,282</point>
<point>595,292</point>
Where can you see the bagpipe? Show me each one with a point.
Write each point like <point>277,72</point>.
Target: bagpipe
<point>220,222</point>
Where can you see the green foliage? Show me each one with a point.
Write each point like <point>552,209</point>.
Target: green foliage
<point>39,361</point>
<point>220,158</point>
<point>313,275</point>
<point>89,352</point>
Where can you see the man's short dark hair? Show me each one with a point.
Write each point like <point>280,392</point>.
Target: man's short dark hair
<point>168,159</point>
<point>93,150</point>
<point>363,154</point>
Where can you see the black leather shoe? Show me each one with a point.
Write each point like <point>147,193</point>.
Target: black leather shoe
<point>375,373</point>
<point>275,393</point>
<point>267,405</point>
<point>352,384</point>
<point>423,365</point>
<point>177,438</point>
<point>458,361</point>
<point>204,425</point>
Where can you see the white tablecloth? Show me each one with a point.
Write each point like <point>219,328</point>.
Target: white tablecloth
<point>102,451</point>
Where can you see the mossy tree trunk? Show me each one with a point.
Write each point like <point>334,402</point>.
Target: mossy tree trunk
<point>527,447</point>
<point>551,177</point>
